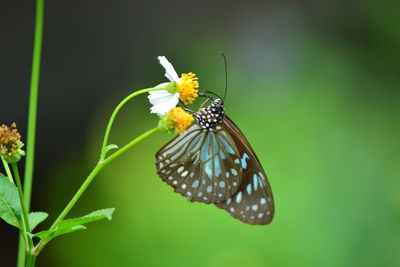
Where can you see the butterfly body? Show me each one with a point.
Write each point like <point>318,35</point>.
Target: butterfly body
<point>209,117</point>
<point>212,162</point>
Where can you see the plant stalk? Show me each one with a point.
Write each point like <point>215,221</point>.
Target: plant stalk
<point>32,114</point>
<point>114,114</point>
<point>30,260</point>
<point>25,221</point>
<point>7,168</point>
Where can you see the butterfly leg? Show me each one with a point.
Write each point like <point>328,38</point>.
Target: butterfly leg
<point>205,102</point>
<point>186,107</point>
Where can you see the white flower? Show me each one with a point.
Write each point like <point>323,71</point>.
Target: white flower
<point>162,100</point>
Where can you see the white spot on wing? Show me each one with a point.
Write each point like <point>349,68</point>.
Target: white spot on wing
<point>180,169</point>
<point>239,197</point>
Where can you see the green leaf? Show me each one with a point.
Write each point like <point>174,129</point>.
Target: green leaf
<point>110,147</point>
<point>91,217</point>
<point>50,234</point>
<point>10,206</point>
<point>72,225</point>
<point>35,218</point>
<point>69,230</point>
<point>44,234</point>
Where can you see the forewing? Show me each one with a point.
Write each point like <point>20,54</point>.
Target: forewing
<point>253,203</point>
<point>202,165</point>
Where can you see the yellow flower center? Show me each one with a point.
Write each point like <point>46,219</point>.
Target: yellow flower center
<point>181,119</point>
<point>187,87</point>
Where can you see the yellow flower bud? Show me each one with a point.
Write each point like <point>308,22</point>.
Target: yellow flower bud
<point>177,120</point>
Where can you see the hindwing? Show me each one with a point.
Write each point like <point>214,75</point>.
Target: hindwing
<point>253,203</point>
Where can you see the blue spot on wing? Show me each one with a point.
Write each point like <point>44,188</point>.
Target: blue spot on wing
<point>217,166</point>
<point>214,144</point>
<point>195,144</point>
<point>208,167</point>
<point>255,181</point>
<point>222,155</point>
<point>244,163</point>
<point>227,146</point>
<point>205,153</point>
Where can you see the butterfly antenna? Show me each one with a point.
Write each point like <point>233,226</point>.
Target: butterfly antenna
<point>226,74</point>
<point>209,92</point>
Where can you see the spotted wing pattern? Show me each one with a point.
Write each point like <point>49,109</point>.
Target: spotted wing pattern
<point>253,203</point>
<point>201,164</point>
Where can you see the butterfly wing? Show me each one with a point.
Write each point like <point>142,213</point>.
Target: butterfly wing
<point>202,165</point>
<point>253,203</point>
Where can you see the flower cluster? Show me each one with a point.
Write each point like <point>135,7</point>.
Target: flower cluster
<point>165,100</point>
<point>10,143</point>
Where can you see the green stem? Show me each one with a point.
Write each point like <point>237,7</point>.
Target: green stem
<point>25,221</point>
<point>33,100</point>
<point>100,165</point>
<point>114,114</point>
<point>30,260</point>
<point>7,168</point>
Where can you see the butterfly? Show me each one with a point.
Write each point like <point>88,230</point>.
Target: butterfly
<point>213,163</point>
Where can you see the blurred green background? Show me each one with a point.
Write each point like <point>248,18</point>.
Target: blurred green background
<point>313,85</point>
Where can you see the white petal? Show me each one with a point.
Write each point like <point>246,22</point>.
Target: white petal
<point>159,93</point>
<point>164,106</point>
<point>163,96</point>
<point>170,72</point>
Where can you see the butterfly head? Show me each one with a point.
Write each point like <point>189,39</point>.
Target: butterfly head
<point>209,117</point>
